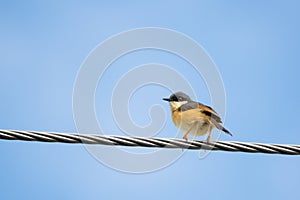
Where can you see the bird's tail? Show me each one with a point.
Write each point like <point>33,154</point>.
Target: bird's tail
<point>225,130</point>
<point>220,127</point>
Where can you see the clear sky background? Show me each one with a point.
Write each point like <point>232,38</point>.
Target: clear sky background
<point>255,46</point>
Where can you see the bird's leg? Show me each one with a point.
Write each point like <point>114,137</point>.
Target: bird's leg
<point>186,134</point>
<point>208,138</point>
<point>209,133</point>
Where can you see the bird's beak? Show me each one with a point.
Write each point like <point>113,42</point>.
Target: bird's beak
<point>166,99</point>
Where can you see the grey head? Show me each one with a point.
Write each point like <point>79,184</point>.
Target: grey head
<point>178,97</point>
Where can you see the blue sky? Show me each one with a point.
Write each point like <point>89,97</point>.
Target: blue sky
<point>255,45</point>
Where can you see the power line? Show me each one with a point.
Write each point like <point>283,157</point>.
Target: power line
<point>232,146</point>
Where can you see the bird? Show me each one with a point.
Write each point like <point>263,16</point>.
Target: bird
<point>193,118</point>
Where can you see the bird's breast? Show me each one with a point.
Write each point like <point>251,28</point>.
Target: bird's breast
<point>176,118</point>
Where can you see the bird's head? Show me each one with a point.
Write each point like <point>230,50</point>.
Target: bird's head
<point>177,99</point>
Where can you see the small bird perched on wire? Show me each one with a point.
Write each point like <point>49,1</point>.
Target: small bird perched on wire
<point>193,117</point>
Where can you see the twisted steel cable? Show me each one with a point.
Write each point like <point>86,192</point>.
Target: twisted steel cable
<point>150,142</point>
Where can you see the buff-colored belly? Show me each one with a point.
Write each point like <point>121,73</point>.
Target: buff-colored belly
<point>185,120</point>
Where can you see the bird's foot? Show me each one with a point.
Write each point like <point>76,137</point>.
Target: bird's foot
<point>185,138</point>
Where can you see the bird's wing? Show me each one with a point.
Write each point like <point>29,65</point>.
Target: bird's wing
<point>208,111</point>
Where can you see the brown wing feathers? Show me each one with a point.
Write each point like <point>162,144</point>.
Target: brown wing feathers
<point>209,112</point>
